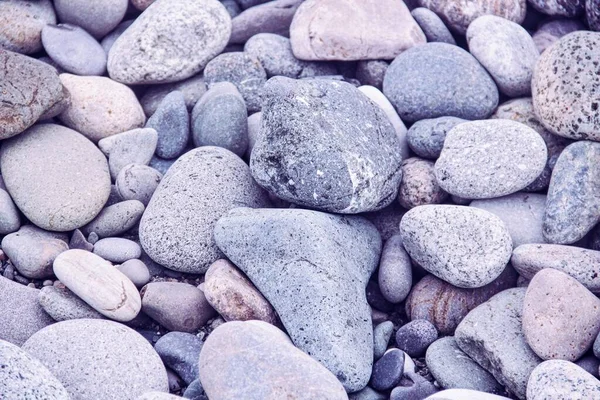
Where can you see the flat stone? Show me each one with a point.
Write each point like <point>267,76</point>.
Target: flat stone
<point>180,351</point>
<point>172,123</point>
<point>388,370</point>
<point>192,89</point>
<point>272,17</point>
<point>137,182</point>
<point>56,177</point>
<point>98,18</point>
<point>415,337</point>
<point>553,29</point>
<point>561,380</point>
<point>136,271</point>
<point>433,27</point>
<point>136,146</point>
<point>419,185</point>
<point>117,249</point>
<point>169,42</point>
<point>559,8</point>
<point>116,219</point>
<point>62,304</point>
<point>21,24</point>
<point>426,137</point>
<point>279,369</point>
<point>395,271</point>
<point>382,334</point>
<point>371,72</point>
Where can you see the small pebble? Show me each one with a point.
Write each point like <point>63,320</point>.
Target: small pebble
<point>388,370</point>
<point>136,271</point>
<point>131,147</point>
<point>415,337</point>
<point>180,352</point>
<point>117,249</point>
<point>137,182</point>
<point>172,124</point>
<point>381,337</point>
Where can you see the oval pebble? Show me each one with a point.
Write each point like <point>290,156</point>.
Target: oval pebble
<point>137,182</point>
<point>419,186</point>
<point>395,271</point>
<point>117,249</point>
<point>116,219</point>
<point>382,334</point>
<point>388,370</point>
<point>171,122</point>
<point>434,28</point>
<point>426,137</point>
<point>415,337</point>
<point>136,271</point>
<point>98,17</point>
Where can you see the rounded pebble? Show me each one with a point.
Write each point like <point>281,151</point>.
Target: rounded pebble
<point>98,18</point>
<point>416,336</point>
<point>171,122</point>
<point>137,182</point>
<point>117,249</point>
<point>388,370</point>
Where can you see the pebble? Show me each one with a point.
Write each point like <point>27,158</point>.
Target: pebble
<point>180,351</point>
<point>74,50</point>
<point>271,17</point>
<point>382,334</point>
<point>137,182</point>
<point>318,291</point>
<point>176,229</point>
<point>353,176</point>
<point>112,37</point>
<point>172,123</point>
<point>98,283</point>
<point>507,52</point>
<point>98,18</point>
<point>592,13</point>
<point>233,296</point>
<point>492,335</point>
<point>136,146</point>
<point>55,176</point>
<point>195,391</point>
<point>121,363</point>
<point>470,260</point>
<point>367,394</point>
<point>590,364</point>
<point>561,318</point>
<point>279,370</point>
<point>142,4</point>
<point>559,8</point>
<point>387,220</point>
<point>395,271</point>
<point>415,337</point>
<point>354,30</point>
<point>100,107</point>
<point>192,89</point>
<point>171,41</point>
<point>426,137</point>
<point>254,125</point>
<point>62,304</point>
<point>433,27</point>
<point>420,389</point>
<point>461,394</point>
<point>371,72</point>
<point>428,81</point>
<point>32,250</point>
<point>116,219</point>
<point>24,377</point>
<point>136,271</point>
<point>220,118</point>
<point>21,24</point>
<point>78,241</point>
<point>388,370</point>
<point>552,30</point>
<point>176,306</point>
<point>419,186</point>
<point>561,380</point>
<point>117,250</point>
<point>162,165</point>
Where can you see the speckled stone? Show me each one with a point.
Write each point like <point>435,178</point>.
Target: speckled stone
<point>116,219</point>
<point>98,18</point>
<point>559,8</point>
<point>388,370</point>
<point>419,185</point>
<point>434,28</point>
<point>62,304</point>
<point>382,334</point>
<point>21,24</point>
<point>138,182</point>
<point>171,122</point>
<point>395,271</point>
<point>552,30</point>
<point>131,147</point>
<point>371,72</point>
<point>561,380</point>
<point>426,137</point>
<point>415,337</point>
<point>428,81</point>
<point>192,89</point>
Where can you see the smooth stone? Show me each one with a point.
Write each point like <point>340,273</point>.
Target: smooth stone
<point>161,165</point>
<point>492,158</point>
<point>136,271</point>
<point>371,72</point>
<point>99,284</point>
<point>426,137</point>
<point>24,377</point>
<point>382,334</point>
<point>561,318</point>
<point>112,37</point>
<point>116,219</point>
<point>20,313</point>
<point>561,380</point>
<point>232,7</point>
<point>136,146</point>
<point>428,81</point>
<point>367,394</point>
<point>470,260</point>
<point>176,306</point>
<point>195,391</point>
<point>62,304</point>
<point>452,368</point>
<point>117,250</point>
<point>433,27</point>
<point>142,4</point>
<point>388,370</point>
<point>522,213</point>
<point>279,370</point>
<point>571,8</point>
<point>573,203</point>
<point>317,162</point>
<point>492,335</point>
<point>74,50</point>
<point>419,185</point>
<point>318,291</point>
<point>78,241</point>
<point>32,251</point>
<point>56,177</point>
<point>234,297</point>
<point>415,337</point>
<point>28,89</point>
<point>220,118</point>
<point>120,364</point>
<point>590,364</point>
<point>241,69</point>
<point>192,89</point>
<point>552,30</point>
<point>98,18</point>
<point>10,220</point>
<point>272,17</point>
<point>172,123</point>
<point>353,30</point>
<point>137,182</point>
<point>100,107</point>
<point>169,42</point>
<point>415,390</point>
<point>180,351</point>
<point>254,122</point>
<point>395,271</point>
<point>176,229</point>
<point>507,52</point>
<point>462,394</point>
<point>21,24</point>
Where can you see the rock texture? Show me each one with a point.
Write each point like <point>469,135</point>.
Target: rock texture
<point>561,380</point>
<point>21,24</point>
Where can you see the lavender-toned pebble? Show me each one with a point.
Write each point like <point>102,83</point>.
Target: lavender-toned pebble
<point>426,137</point>
<point>272,17</point>
<point>559,379</point>
<point>434,28</point>
<point>395,271</point>
<point>117,249</point>
<point>367,394</point>
<point>180,351</point>
<point>558,8</point>
<point>415,337</point>
<point>419,185</point>
<point>192,89</point>
<point>116,219</point>
<point>62,304</point>
<point>131,147</point>
<point>160,164</point>
<point>97,18</point>
<point>552,30</point>
<point>419,388</point>
<point>388,370</point>
<point>21,24</point>
<point>371,72</point>
<point>171,122</point>
<point>136,271</point>
<point>78,241</point>
<point>137,182</point>
<point>381,337</point>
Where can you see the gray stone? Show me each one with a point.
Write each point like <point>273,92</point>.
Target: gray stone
<point>272,17</point>
<point>419,186</point>
<point>367,394</point>
<point>232,7</point>
<point>10,221</point>
<point>382,334</point>
<point>121,363</point>
<point>318,291</point>
<point>21,24</point>
<point>176,229</point>
<point>137,182</point>
<point>132,147</point>
<point>492,158</point>
<point>561,380</point>
<point>419,389</point>
<point>395,271</point>
<point>559,8</point>
<point>254,123</point>
<point>172,123</point>
<point>78,241</point>
<point>590,364</point>
<point>415,337</point>
<point>371,72</point>
<point>98,18</point>
<point>388,370</point>
<point>195,391</point>
<point>426,137</point>
<point>136,271</point>
<point>428,81</point>
<point>62,304</point>
<point>192,88</point>
<point>56,177</point>
<point>180,351</point>
<point>116,219</point>
<point>492,335</point>
<point>117,250</point>
<point>169,42</point>
<point>552,30</point>
<point>160,164</point>
<point>112,37</point>
<point>433,27</point>
<point>317,162</point>
<point>142,4</point>
<point>462,394</point>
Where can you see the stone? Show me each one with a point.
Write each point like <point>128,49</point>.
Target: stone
<point>55,176</point>
<point>572,206</point>
<point>121,363</point>
<point>382,334</point>
<point>419,186</point>
<point>388,370</point>
<point>74,50</point>
<point>428,81</point>
<point>169,42</point>
<point>272,17</point>
<point>492,158</point>
<point>367,394</point>
<point>112,37</point>
<point>418,389</point>
<point>317,162</point>
<point>433,27</point>
<point>137,182</point>
<point>62,304</point>
<point>28,89</point>
<point>158,396</point>
<point>459,16</point>
<point>20,313</point>
<point>99,284</point>
<point>426,137</point>
<point>32,251</point>
<point>220,118</point>
<point>371,72</point>
<point>553,29</point>
<point>24,377</point>
<point>452,368</point>
<point>592,13</point>
<point>395,271</point>
<point>492,335</point>
<point>116,219</point>
<point>98,18</point>
<point>162,165</point>
<point>415,337</point>
<point>136,146</point>
<point>21,24</point>
<point>180,351</point>
<point>176,229</point>
<point>561,318</point>
<point>590,364</point>
<point>172,123</point>
<point>192,89</point>
<point>136,271</point>
<point>559,8</point>
<point>279,369</point>
<point>387,220</point>
<point>10,220</point>
<point>176,306</point>
<point>507,52</point>
<point>234,297</point>
<point>254,122</point>
<point>561,380</point>
<point>100,107</point>
<point>195,391</point>
<point>117,249</point>
<point>461,394</point>
<point>142,4</point>
<point>470,260</point>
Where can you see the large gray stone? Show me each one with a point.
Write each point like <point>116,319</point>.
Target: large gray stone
<point>21,24</point>
<point>561,380</point>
